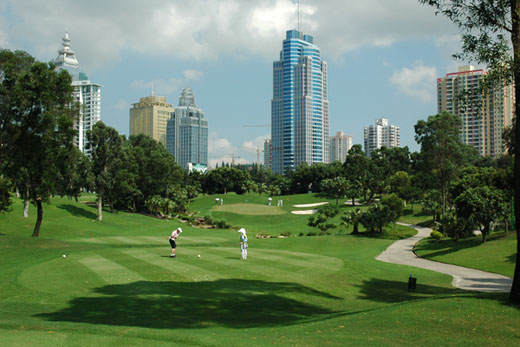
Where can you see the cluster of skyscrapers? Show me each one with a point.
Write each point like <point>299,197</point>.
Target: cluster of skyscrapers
<point>299,112</point>
<point>183,130</point>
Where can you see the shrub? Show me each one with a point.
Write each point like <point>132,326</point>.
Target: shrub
<point>301,233</point>
<point>222,224</point>
<point>208,220</point>
<point>436,235</point>
<point>311,233</point>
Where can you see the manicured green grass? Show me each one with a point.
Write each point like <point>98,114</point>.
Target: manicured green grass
<point>413,214</point>
<point>117,286</point>
<point>249,209</point>
<point>497,254</point>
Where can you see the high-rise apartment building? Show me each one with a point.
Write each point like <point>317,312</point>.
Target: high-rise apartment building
<point>187,132</point>
<point>381,134</point>
<point>300,105</point>
<point>339,146</point>
<point>87,93</point>
<point>484,116</point>
<point>149,117</point>
<point>268,154</point>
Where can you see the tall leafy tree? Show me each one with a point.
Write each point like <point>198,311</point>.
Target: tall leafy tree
<point>484,204</point>
<point>105,144</point>
<point>336,187</point>
<point>441,147</point>
<point>157,171</point>
<point>356,168</point>
<point>37,118</point>
<point>491,35</point>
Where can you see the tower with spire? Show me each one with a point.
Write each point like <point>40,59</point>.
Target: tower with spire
<point>87,93</point>
<point>187,133</point>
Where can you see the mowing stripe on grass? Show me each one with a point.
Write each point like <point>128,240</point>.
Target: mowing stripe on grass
<point>188,271</point>
<point>145,240</point>
<point>109,271</point>
<point>288,258</point>
<point>272,272</point>
<point>322,263</point>
<point>99,240</point>
<point>125,239</point>
<point>184,239</point>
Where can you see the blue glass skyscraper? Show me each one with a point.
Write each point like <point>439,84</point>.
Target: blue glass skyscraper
<point>300,106</point>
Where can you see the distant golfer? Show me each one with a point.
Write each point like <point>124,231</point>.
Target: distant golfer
<point>243,243</point>
<point>175,234</point>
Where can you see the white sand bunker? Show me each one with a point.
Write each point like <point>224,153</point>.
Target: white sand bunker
<point>305,211</point>
<point>349,202</point>
<point>311,205</point>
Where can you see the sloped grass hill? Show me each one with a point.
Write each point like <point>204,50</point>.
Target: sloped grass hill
<point>117,286</point>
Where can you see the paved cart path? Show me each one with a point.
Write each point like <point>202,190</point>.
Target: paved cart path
<point>401,252</point>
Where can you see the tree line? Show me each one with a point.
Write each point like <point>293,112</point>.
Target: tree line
<point>459,188</point>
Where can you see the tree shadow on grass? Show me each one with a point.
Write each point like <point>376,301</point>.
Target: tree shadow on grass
<point>511,258</point>
<point>78,212</point>
<point>168,305</point>
<point>387,291</point>
<point>432,248</point>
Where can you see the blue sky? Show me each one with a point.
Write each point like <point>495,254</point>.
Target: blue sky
<point>384,57</point>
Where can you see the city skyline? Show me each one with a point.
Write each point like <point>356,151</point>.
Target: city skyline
<point>384,59</point>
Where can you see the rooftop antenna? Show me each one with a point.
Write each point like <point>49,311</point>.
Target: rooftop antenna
<point>299,16</point>
<point>153,93</point>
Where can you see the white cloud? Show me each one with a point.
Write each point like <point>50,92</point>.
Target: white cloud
<point>193,75</point>
<point>418,81</point>
<point>159,87</point>
<point>252,146</point>
<point>218,146</point>
<point>205,29</point>
<point>222,150</point>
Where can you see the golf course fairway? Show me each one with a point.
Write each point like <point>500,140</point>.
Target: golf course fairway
<point>117,284</point>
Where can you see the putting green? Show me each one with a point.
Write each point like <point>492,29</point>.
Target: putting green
<point>249,209</point>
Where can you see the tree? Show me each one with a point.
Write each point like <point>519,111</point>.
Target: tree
<point>376,218</point>
<point>431,204</point>
<point>274,190</point>
<point>156,168</point>
<point>352,217</point>
<point>354,190</point>
<point>484,204</point>
<point>75,173</point>
<point>440,145</point>
<point>336,187</point>
<point>400,185</point>
<point>321,218</point>
<point>105,144</point>
<point>37,113</point>
<point>5,195</point>
<point>394,207</point>
<point>356,167</point>
<point>491,35</point>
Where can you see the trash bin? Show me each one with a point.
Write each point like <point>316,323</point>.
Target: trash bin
<point>412,283</point>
